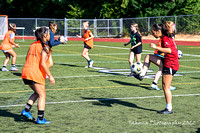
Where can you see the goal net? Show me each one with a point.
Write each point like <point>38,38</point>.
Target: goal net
<point>3,26</point>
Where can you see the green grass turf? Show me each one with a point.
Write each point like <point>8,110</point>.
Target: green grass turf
<point>74,82</point>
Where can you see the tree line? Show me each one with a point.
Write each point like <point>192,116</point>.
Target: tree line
<point>100,9</point>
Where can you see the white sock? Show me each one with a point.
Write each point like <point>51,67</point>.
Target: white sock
<point>169,106</point>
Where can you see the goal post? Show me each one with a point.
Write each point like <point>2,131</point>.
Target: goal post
<point>3,26</point>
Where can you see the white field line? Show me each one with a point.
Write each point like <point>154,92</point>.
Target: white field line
<point>84,76</point>
<point>106,99</point>
<point>104,62</point>
<point>151,51</point>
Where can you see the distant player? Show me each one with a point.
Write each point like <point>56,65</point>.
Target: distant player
<point>88,43</point>
<point>7,47</point>
<point>53,28</point>
<point>136,45</point>
<point>36,67</point>
<point>170,62</point>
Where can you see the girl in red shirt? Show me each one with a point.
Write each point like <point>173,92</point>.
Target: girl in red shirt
<point>170,63</point>
<point>88,43</point>
<point>157,58</point>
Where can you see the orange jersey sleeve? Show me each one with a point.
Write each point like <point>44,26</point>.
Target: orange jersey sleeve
<point>86,34</point>
<point>159,45</point>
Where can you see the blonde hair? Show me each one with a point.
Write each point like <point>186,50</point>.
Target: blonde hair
<point>170,26</point>
<point>136,26</point>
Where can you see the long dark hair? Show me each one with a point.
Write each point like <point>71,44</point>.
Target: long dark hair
<point>162,28</point>
<point>39,33</point>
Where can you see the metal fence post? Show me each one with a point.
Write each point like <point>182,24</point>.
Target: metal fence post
<point>175,23</point>
<point>121,27</point>
<point>108,27</point>
<point>149,24</point>
<point>36,23</point>
<point>95,27</point>
<point>65,27</point>
<point>80,26</point>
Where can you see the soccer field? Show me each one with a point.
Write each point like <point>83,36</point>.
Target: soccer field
<point>102,99</point>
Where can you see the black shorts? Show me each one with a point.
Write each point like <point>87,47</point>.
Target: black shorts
<point>137,50</point>
<point>86,46</point>
<point>29,82</point>
<point>168,71</point>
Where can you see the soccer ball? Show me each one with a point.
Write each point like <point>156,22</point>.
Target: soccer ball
<point>180,54</point>
<point>136,67</point>
<point>63,38</point>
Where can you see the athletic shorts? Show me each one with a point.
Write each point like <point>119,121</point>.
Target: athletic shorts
<point>137,50</point>
<point>29,82</point>
<point>5,51</point>
<point>168,71</point>
<point>86,46</point>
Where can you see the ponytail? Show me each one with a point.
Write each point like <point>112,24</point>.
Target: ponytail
<point>39,33</point>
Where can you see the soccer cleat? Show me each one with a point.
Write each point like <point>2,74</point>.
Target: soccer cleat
<point>27,115</point>
<point>137,76</point>
<point>14,69</point>
<point>165,111</point>
<point>4,69</point>
<point>172,88</point>
<point>131,74</point>
<point>90,64</point>
<point>155,87</point>
<point>44,121</point>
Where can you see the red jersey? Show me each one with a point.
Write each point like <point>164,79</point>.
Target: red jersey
<point>170,60</point>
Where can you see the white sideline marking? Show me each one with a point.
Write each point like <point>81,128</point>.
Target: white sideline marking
<point>96,75</point>
<point>105,99</point>
<point>64,77</point>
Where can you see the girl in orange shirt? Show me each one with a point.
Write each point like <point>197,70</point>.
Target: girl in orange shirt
<point>7,45</point>
<point>88,43</point>
<point>35,70</point>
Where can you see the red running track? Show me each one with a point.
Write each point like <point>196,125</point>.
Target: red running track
<point>188,43</point>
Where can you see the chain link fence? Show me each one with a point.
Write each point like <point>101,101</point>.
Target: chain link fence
<point>185,24</point>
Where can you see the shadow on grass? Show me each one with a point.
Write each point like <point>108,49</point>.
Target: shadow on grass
<point>194,78</point>
<point>17,74</point>
<point>142,85</point>
<point>67,65</point>
<point>198,131</point>
<point>17,117</point>
<point>109,101</point>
